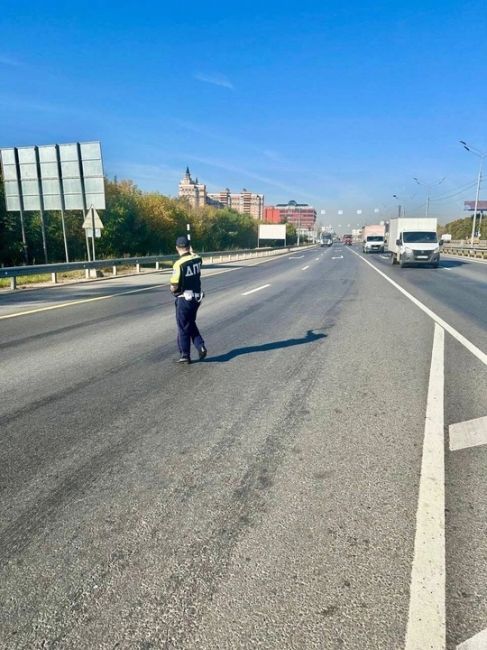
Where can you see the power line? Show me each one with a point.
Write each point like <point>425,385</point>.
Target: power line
<point>456,192</point>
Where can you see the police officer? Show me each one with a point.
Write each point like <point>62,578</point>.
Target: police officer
<point>186,287</point>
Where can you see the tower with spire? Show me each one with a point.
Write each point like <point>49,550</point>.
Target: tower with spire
<point>193,191</point>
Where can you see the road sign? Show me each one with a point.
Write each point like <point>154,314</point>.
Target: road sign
<point>52,177</point>
<point>89,232</point>
<point>92,218</point>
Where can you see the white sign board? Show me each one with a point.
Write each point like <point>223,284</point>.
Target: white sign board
<point>53,177</point>
<point>272,231</point>
<point>92,216</point>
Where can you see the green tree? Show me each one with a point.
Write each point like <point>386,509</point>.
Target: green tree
<point>135,223</point>
<point>462,228</point>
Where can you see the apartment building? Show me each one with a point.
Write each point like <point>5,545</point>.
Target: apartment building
<point>301,215</point>
<point>244,202</point>
<point>192,190</point>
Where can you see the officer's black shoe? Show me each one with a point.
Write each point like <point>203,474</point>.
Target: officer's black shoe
<point>202,352</point>
<point>183,359</point>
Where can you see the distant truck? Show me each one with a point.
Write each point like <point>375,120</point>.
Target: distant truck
<point>413,241</point>
<point>373,239</point>
<point>326,239</point>
<point>347,240</point>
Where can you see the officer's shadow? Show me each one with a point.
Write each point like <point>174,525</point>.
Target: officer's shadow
<point>265,347</point>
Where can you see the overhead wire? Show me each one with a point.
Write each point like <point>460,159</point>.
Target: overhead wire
<point>456,192</point>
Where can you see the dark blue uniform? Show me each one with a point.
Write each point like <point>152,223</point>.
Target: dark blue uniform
<point>186,286</point>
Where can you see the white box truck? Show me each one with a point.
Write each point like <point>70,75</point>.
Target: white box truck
<point>373,239</point>
<point>413,241</point>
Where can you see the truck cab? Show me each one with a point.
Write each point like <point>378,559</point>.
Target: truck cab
<point>373,244</point>
<point>418,247</point>
<point>413,241</point>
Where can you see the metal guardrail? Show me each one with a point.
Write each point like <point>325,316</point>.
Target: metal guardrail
<point>477,252</point>
<point>13,272</point>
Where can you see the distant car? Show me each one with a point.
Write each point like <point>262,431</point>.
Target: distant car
<point>347,240</point>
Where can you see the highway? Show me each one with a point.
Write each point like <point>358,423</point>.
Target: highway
<point>279,494</point>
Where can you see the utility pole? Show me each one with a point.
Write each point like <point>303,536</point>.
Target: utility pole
<point>428,190</point>
<point>481,155</point>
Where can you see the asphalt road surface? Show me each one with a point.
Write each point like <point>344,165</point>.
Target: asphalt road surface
<point>279,494</point>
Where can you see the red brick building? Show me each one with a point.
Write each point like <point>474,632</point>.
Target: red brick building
<point>301,215</point>
<point>272,215</point>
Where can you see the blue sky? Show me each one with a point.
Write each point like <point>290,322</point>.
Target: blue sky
<point>336,104</point>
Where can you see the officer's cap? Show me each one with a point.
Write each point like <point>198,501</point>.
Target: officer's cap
<point>182,242</point>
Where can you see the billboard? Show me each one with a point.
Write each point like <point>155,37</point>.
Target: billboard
<point>53,177</point>
<point>267,231</point>
<point>470,206</point>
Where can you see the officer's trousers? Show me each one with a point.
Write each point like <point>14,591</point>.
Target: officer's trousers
<point>186,311</point>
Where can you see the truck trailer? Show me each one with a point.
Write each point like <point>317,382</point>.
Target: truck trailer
<point>373,239</point>
<point>413,241</point>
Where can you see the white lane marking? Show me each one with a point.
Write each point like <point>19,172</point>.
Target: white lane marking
<point>296,257</point>
<point>463,258</point>
<point>340,257</point>
<point>427,613</point>
<point>79,302</point>
<point>477,642</point>
<point>317,259</point>
<point>471,433</point>
<point>385,257</point>
<point>305,267</point>
<point>481,356</point>
<point>206,273</point>
<point>264,286</point>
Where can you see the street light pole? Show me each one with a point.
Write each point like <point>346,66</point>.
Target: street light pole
<point>428,189</point>
<point>394,196</point>
<point>479,178</point>
<point>481,155</point>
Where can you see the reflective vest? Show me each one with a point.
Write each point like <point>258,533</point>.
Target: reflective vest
<point>186,273</point>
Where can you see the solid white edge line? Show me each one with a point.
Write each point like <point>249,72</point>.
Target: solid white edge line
<point>79,302</point>
<point>481,356</point>
<point>264,286</point>
<point>468,259</point>
<point>477,642</point>
<point>426,626</point>
<point>471,433</point>
<point>72,303</point>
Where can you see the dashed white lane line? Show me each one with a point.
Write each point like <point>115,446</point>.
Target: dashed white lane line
<point>477,642</point>
<point>427,612</point>
<point>264,286</point>
<point>339,257</point>
<point>471,433</point>
<point>317,259</point>
<point>296,257</point>
<point>305,267</point>
<point>481,356</point>
<point>79,302</point>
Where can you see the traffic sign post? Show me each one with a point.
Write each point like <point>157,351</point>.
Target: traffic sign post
<point>93,225</point>
<point>47,178</point>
